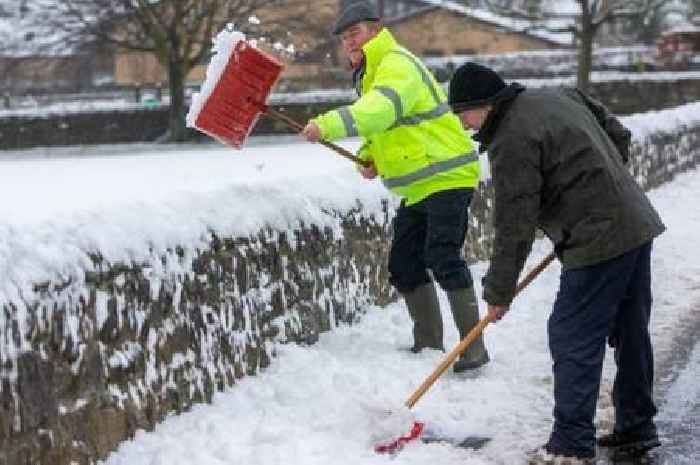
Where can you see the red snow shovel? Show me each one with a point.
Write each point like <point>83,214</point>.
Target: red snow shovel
<point>395,445</point>
<point>240,95</point>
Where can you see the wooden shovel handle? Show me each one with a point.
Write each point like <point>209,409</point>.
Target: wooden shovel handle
<point>447,361</point>
<point>297,126</point>
<point>473,334</point>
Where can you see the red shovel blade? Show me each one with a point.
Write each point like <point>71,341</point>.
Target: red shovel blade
<point>398,443</point>
<point>239,96</point>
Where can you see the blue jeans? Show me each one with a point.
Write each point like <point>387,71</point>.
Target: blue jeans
<point>430,235</point>
<point>608,300</point>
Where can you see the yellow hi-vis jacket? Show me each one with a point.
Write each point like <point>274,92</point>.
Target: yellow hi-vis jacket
<point>416,143</point>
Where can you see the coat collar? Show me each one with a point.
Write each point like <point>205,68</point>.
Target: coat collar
<point>377,47</point>
<point>495,116</point>
<point>374,50</point>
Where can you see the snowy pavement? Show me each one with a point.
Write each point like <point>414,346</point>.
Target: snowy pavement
<point>328,403</point>
<point>679,420</point>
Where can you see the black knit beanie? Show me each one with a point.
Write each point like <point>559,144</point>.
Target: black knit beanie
<point>474,85</point>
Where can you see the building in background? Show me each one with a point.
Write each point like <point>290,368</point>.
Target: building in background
<point>437,30</point>
<point>429,29</point>
<point>29,63</point>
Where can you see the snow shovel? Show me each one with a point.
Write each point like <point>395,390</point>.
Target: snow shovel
<point>239,98</point>
<point>416,430</point>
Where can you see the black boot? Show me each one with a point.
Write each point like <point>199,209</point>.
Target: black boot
<point>465,311</point>
<point>424,308</point>
<point>633,443</point>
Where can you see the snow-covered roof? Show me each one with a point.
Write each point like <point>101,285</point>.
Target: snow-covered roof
<point>514,24</point>
<point>683,28</point>
<point>562,7</point>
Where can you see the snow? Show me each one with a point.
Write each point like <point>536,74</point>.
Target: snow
<point>563,7</point>
<point>515,24</point>
<point>599,54</point>
<point>33,109</point>
<point>83,202</point>
<point>644,124</point>
<point>313,402</point>
<point>685,391</point>
<point>224,44</point>
<point>609,76</point>
<point>331,402</point>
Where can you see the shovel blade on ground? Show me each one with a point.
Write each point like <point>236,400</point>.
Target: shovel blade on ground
<point>418,432</point>
<point>468,442</point>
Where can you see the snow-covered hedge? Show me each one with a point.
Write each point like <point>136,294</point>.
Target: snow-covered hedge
<point>90,354</point>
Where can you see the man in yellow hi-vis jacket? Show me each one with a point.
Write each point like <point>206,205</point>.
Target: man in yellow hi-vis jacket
<point>421,152</point>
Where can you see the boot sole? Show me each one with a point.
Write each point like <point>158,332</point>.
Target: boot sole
<point>632,450</point>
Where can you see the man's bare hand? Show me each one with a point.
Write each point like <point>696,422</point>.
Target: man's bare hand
<point>496,312</point>
<point>311,132</point>
<point>369,171</point>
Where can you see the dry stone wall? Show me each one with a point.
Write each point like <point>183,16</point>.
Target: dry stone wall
<point>103,355</point>
<point>88,360</point>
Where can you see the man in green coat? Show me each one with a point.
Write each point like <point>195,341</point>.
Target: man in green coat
<point>422,154</point>
<point>558,163</point>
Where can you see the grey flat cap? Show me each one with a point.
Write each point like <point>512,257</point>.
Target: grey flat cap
<point>353,13</point>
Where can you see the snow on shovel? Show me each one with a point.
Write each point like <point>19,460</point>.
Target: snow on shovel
<point>395,445</point>
<point>239,80</point>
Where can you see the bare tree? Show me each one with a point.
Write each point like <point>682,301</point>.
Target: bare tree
<point>584,24</point>
<point>178,33</point>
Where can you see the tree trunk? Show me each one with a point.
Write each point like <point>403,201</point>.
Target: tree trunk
<point>585,60</point>
<point>176,81</point>
<point>585,51</point>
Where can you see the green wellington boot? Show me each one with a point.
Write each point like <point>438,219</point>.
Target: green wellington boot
<point>424,308</point>
<point>465,311</point>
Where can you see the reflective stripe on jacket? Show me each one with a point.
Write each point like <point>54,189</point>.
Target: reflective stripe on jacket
<point>416,143</point>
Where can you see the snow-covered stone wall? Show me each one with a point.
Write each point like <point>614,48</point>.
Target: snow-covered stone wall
<point>92,363</point>
<point>87,361</point>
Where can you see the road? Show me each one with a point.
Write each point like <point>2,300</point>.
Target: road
<point>678,400</point>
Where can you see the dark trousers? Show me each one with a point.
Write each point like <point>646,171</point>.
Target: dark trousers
<point>608,300</point>
<point>430,235</point>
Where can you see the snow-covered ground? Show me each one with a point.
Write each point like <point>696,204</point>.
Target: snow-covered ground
<point>328,403</point>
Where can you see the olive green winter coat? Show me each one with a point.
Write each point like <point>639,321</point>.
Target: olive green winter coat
<point>558,163</point>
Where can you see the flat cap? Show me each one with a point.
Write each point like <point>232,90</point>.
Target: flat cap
<point>353,13</point>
